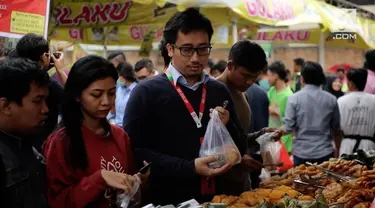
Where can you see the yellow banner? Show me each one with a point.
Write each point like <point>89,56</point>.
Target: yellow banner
<point>78,53</point>
<point>341,20</point>
<point>127,35</point>
<point>289,36</point>
<point>107,12</point>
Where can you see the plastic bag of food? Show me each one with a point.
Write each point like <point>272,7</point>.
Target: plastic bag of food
<point>218,142</point>
<point>270,150</point>
<point>124,199</point>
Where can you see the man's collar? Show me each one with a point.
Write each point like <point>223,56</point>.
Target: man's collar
<point>132,86</point>
<point>310,86</point>
<point>176,75</point>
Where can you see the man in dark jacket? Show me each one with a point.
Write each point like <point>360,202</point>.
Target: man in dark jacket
<point>169,107</point>
<point>23,112</point>
<point>36,48</point>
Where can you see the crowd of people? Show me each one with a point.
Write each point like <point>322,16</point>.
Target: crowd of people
<point>82,142</point>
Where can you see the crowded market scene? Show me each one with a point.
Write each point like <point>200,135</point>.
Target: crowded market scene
<point>187,104</point>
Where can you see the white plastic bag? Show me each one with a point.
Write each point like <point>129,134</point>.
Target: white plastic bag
<point>269,149</point>
<point>124,199</point>
<point>218,142</point>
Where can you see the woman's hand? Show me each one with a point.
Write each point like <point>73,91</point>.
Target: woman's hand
<point>118,180</point>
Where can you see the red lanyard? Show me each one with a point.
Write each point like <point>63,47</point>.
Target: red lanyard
<point>197,119</point>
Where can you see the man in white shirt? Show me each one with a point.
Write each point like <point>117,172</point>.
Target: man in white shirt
<point>357,110</point>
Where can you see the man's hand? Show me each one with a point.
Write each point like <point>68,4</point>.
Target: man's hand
<point>144,177</point>
<point>201,166</point>
<point>59,62</point>
<point>223,114</point>
<point>250,164</point>
<point>273,112</point>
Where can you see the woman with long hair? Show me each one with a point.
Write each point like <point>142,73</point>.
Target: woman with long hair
<point>333,85</point>
<point>89,160</point>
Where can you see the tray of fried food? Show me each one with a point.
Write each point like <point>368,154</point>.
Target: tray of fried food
<point>273,182</point>
<point>273,196</point>
<point>345,167</point>
<point>356,198</point>
<point>306,170</point>
<point>224,199</point>
<point>366,181</point>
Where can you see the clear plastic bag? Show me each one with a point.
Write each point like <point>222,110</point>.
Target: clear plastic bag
<point>218,142</point>
<point>124,199</point>
<point>269,149</point>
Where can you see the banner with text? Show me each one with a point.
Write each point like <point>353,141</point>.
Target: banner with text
<point>107,13</point>
<point>127,35</point>
<point>22,16</point>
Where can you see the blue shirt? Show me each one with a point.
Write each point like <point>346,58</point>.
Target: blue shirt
<point>313,113</point>
<point>179,78</point>
<point>122,97</point>
<point>259,103</point>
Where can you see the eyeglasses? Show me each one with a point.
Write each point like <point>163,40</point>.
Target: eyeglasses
<point>189,51</point>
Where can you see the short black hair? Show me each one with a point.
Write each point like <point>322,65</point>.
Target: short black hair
<point>32,46</point>
<point>4,52</point>
<point>126,70</point>
<point>313,73</point>
<point>144,63</point>
<point>365,65</point>
<point>340,69</point>
<point>249,55</point>
<point>186,22</point>
<point>164,53</point>
<point>279,68</point>
<point>299,61</point>
<point>115,54</point>
<point>25,72</point>
<point>358,76</point>
<point>220,66</point>
<point>370,59</point>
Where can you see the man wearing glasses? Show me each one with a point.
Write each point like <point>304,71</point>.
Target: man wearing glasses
<point>175,109</point>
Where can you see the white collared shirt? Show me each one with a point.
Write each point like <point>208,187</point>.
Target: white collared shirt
<point>179,78</point>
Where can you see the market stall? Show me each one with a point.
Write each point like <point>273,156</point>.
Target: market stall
<point>348,182</point>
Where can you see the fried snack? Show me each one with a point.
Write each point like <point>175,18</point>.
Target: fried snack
<point>218,198</point>
<point>368,172</point>
<point>252,201</point>
<point>292,193</point>
<point>332,192</point>
<point>306,198</point>
<point>232,155</point>
<point>248,194</point>
<point>229,200</point>
<point>283,188</point>
<point>276,194</point>
<point>287,182</point>
<point>362,205</point>
<point>263,193</point>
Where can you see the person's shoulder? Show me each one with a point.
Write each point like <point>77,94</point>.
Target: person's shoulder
<point>257,90</point>
<point>271,90</point>
<point>214,84</point>
<point>289,91</point>
<point>117,130</point>
<point>153,83</point>
<point>344,98</point>
<point>55,142</point>
<point>369,96</point>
